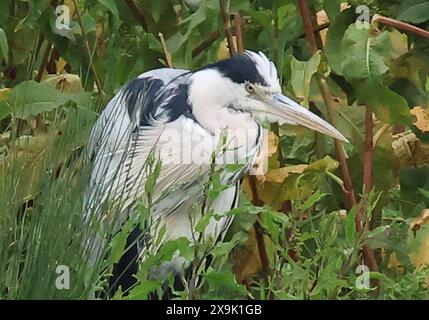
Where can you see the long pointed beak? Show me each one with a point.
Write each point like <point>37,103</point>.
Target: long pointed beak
<point>291,112</point>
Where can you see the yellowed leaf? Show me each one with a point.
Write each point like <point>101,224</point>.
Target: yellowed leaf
<point>417,223</point>
<point>67,83</point>
<point>279,175</point>
<point>60,65</point>
<point>246,259</point>
<point>70,5</point>
<point>394,263</point>
<point>4,93</point>
<point>223,52</point>
<point>422,116</point>
<point>399,43</point>
<point>273,143</point>
<point>421,257</point>
<point>325,164</point>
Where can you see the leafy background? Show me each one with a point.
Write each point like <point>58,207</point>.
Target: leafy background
<point>302,230</point>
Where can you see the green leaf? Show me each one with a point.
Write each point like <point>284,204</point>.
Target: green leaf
<point>195,19</point>
<point>4,47</point>
<point>175,42</point>
<point>111,5</point>
<point>387,105</point>
<point>141,291</point>
<point>263,17</point>
<point>203,222</point>
<point>32,98</point>
<point>336,32</point>
<point>302,73</point>
<point>417,13</point>
<point>118,243</point>
<point>222,249</point>
<point>279,217</point>
<point>332,8</point>
<point>366,54</point>
<point>315,197</point>
<point>365,67</point>
<point>224,281</point>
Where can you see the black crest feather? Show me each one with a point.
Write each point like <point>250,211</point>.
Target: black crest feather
<point>240,69</point>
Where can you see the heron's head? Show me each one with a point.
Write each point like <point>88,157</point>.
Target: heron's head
<point>248,82</point>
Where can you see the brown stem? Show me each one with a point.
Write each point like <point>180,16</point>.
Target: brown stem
<point>317,29</point>
<point>137,13</point>
<point>227,25</point>
<point>308,25</point>
<point>238,31</point>
<point>263,256</point>
<point>345,172</point>
<point>369,150</point>
<point>368,253</point>
<point>204,44</point>
<point>88,50</point>
<point>44,63</point>
<point>401,25</point>
<point>329,101</point>
<point>259,231</point>
<point>256,201</point>
<point>166,52</point>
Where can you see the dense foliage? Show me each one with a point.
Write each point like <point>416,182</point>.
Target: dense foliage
<point>322,235</point>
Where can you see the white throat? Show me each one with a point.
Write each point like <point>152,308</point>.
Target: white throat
<point>210,100</point>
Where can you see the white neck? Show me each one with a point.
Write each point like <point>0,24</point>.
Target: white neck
<point>209,95</point>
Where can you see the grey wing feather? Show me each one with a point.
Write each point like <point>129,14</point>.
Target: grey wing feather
<point>128,130</point>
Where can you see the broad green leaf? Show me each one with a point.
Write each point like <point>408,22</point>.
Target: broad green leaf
<point>338,27</point>
<point>4,47</point>
<point>332,8</point>
<point>142,290</point>
<point>417,13</point>
<point>111,5</point>
<point>32,98</point>
<point>263,17</point>
<point>302,73</point>
<point>366,54</point>
<point>387,105</point>
<point>365,67</point>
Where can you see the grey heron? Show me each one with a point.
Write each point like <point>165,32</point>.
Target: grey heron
<point>180,116</point>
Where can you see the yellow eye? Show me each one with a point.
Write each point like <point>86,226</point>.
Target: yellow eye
<point>250,88</point>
